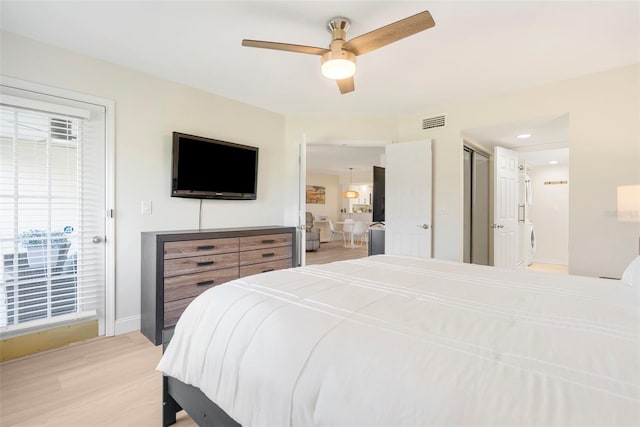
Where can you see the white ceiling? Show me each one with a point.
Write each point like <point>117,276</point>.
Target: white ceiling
<point>337,159</point>
<point>476,49</point>
<point>548,140</point>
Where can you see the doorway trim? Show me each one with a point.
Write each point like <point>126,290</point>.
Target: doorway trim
<point>109,106</point>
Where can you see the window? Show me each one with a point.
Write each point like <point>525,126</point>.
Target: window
<point>51,207</point>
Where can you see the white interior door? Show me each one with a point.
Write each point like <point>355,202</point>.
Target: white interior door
<point>505,208</point>
<point>408,184</point>
<point>302,201</point>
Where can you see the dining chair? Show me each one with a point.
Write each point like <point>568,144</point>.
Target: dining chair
<point>333,231</point>
<point>347,230</point>
<point>359,231</point>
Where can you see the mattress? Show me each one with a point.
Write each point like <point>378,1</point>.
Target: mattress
<point>401,341</point>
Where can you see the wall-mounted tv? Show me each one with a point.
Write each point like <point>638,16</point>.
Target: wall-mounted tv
<point>206,168</point>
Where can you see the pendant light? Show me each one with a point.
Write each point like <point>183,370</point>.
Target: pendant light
<point>350,194</point>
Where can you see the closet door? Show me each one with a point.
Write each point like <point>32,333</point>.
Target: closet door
<point>480,209</point>
<point>467,208</point>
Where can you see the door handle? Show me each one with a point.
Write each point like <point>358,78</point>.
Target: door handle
<point>96,239</point>
<point>424,226</point>
<point>521,208</point>
<point>496,226</point>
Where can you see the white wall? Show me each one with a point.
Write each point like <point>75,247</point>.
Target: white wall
<point>604,141</point>
<point>333,195</point>
<point>549,213</point>
<point>330,129</point>
<point>603,136</point>
<point>147,111</point>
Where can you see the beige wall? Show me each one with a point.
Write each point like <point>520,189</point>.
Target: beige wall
<point>604,139</point>
<point>147,111</point>
<point>331,129</point>
<point>603,135</point>
<point>604,142</point>
<point>332,205</point>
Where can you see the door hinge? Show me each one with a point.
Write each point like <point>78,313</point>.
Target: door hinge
<point>109,213</point>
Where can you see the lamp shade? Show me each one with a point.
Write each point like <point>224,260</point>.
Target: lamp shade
<point>350,194</point>
<point>628,206</point>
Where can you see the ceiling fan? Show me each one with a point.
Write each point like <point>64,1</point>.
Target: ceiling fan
<point>339,60</point>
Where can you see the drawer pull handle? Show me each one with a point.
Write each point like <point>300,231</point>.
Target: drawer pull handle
<point>205,248</point>
<point>205,283</point>
<point>267,255</point>
<point>204,263</point>
<point>268,269</point>
<point>269,241</point>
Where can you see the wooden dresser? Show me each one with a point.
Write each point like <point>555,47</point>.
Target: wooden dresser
<point>177,266</point>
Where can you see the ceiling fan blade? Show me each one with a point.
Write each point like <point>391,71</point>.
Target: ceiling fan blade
<point>311,50</point>
<point>390,33</point>
<point>346,85</point>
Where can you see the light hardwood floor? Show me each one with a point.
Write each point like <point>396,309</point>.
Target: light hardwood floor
<point>106,381</point>
<point>99,382</point>
<point>551,268</point>
<point>102,381</point>
<point>335,251</point>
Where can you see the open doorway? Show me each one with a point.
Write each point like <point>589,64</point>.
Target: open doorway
<point>333,169</point>
<point>546,209</point>
<point>529,211</point>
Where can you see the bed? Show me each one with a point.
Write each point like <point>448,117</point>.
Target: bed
<point>401,341</point>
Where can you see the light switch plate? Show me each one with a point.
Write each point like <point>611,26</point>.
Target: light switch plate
<point>146,207</point>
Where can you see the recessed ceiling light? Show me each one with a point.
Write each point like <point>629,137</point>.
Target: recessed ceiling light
<point>524,136</point>
<point>553,162</point>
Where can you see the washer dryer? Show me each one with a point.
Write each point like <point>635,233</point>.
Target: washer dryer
<point>530,242</point>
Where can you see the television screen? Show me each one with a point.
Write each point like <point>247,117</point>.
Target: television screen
<point>206,168</point>
<point>378,194</point>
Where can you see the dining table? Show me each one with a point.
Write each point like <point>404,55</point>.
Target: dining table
<point>347,227</point>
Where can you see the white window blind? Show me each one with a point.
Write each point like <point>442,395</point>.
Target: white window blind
<point>51,207</point>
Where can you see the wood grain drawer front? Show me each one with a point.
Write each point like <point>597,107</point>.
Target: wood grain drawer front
<point>174,309</point>
<point>247,270</point>
<point>200,247</point>
<point>265,255</point>
<point>198,264</point>
<point>248,243</point>
<point>191,285</point>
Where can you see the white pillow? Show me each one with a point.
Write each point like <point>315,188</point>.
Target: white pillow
<point>631,275</point>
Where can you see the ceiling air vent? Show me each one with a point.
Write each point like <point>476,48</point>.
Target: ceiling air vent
<point>433,122</point>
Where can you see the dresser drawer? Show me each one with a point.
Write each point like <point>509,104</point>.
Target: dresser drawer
<point>188,248</point>
<point>263,267</point>
<point>265,255</point>
<point>192,285</point>
<point>177,266</point>
<point>174,309</point>
<point>198,264</point>
<point>265,241</point>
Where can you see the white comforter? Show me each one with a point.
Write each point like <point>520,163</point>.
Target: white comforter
<point>394,341</point>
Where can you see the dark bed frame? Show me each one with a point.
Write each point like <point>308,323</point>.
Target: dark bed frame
<point>177,396</point>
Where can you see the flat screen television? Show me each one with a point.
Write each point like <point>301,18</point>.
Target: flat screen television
<point>378,194</point>
<point>205,168</point>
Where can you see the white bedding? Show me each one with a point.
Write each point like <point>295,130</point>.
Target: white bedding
<point>395,341</point>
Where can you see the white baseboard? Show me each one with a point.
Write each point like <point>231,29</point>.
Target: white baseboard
<point>128,324</point>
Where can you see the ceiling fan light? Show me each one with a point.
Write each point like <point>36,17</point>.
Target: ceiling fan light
<point>338,66</point>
